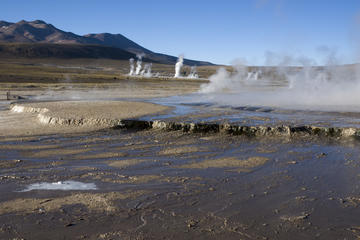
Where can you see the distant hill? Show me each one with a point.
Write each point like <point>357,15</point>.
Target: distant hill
<point>41,32</point>
<point>53,50</point>
<point>116,40</point>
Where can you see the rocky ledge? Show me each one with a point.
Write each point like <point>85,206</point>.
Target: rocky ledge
<point>195,127</point>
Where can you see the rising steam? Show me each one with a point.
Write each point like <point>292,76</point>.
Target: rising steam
<point>193,73</point>
<point>295,83</point>
<point>146,72</point>
<point>139,63</point>
<point>178,66</point>
<point>132,67</point>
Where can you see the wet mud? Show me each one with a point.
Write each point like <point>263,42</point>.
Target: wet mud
<point>197,171</point>
<point>158,184</point>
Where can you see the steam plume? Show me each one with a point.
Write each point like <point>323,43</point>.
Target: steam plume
<point>131,60</point>
<point>193,73</point>
<point>296,83</point>
<point>146,72</point>
<point>178,66</point>
<point>139,63</point>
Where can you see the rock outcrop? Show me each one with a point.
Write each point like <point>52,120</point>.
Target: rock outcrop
<point>193,127</point>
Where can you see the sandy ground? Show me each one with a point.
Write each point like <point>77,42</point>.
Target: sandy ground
<point>56,117</point>
<point>93,109</point>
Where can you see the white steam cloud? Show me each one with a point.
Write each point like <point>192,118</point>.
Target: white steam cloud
<point>295,83</point>
<point>193,73</point>
<point>178,66</point>
<point>146,72</point>
<point>132,67</point>
<point>139,63</point>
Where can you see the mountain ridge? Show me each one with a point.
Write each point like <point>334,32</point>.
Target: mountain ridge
<point>40,32</point>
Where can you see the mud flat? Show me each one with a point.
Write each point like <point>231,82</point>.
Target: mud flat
<point>106,113</point>
<point>160,178</point>
<point>70,116</point>
<point>179,185</point>
<point>228,163</point>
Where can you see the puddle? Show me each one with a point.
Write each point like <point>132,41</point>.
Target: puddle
<point>61,185</point>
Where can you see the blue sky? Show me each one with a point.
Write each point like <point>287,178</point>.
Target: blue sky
<point>217,31</point>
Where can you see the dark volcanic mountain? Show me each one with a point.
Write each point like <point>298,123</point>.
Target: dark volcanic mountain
<point>52,50</point>
<point>116,40</point>
<point>40,32</point>
<point>36,31</point>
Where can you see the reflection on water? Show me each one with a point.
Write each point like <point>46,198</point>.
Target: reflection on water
<point>194,108</point>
